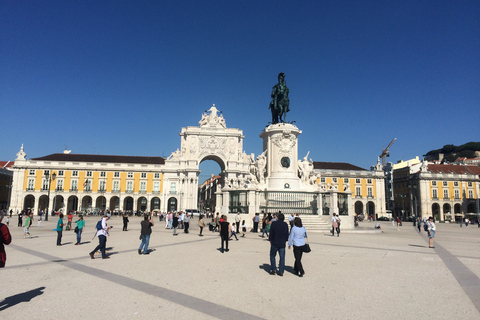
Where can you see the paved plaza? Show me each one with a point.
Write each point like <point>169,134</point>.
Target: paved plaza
<point>389,275</point>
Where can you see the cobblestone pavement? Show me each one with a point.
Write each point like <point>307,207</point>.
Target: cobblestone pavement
<point>389,275</point>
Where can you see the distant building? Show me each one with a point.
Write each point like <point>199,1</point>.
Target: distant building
<point>445,191</point>
<point>6,180</point>
<point>206,193</point>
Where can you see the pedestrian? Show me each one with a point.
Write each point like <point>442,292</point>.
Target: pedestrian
<point>69,221</point>
<point>419,223</point>
<point>431,232</point>
<point>145,232</point>
<point>102,233</point>
<point>170,220</point>
<point>175,223</point>
<point>79,229</point>
<point>8,221</point>
<point>234,234</point>
<point>59,229</point>
<point>225,232</point>
<point>244,228</point>
<point>201,225</point>
<point>125,222</point>
<point>186,223</point>
<point>6,238</point>
<point>335,225</point>
<point>291,218</point>
<point>277,237</point>
<point>466,222</point>
<point>20,215</point>
<point>256,220</point>
<point>237,222</point>
<point>297,239</point>
<point>266,222</point>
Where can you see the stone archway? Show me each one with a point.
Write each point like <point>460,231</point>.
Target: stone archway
<point>29,203</point>
<point>72,203</point>
<point>115,203</point>
<point>128,204</point>
<point>172,204</point>
<point>359,207</point>
<point>142,204</point>
<point>155,204</point>
<point>436,211</point>
<point>211,140</point>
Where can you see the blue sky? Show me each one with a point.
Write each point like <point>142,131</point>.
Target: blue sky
<point>123,77</point>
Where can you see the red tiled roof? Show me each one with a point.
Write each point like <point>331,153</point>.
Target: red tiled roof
<point>456,169</point>
<point>101,158</point>
<point>335,166</point>
<point>6,164</point>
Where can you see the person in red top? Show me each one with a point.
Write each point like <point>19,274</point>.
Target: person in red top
<point>70,219</point>
<point>5,239</point>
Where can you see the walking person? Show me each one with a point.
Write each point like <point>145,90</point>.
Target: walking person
<point>145,232</point>
<point>244,228</point>
<point>59,229</point>
<point>6,239</point>
<point>186,222</point>
<point>278,237</point>
<point>175,223</point>
<point>201,225</point>
<point>225,231</point>
<point>419,223</point>
<point>234,234</point>
<point>79,229</point>
<point>266,222</point>
<point>431,231</point>
<point>335,225</point>
<point>102,234</point>
<point>125,222</point>
<point>26,227</point>
<point>297,239</point>
<point>69,221</point>
<point>237,222</point>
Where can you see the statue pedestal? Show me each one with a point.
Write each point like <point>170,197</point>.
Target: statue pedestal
<point>280,141</point>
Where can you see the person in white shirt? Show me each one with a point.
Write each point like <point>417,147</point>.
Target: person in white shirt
<point>335,225</point>
<point>237,222</point>
<point>102,238</point>
<point>431,232</point>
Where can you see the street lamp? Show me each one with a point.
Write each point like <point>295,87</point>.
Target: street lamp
<point>49,178</point>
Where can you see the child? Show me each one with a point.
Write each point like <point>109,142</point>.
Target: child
<point>244,228</point>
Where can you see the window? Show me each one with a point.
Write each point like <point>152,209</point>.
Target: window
<point>469,184</point>
<point>31,172</point>
<point>434,183</point>
<point>156,186</point>
<point>358,192</point>
<point>434,194</point>
<point>116,186</point>
<point>470,194</point>
<point>60,173</point>
<point>75,173</point>
<point>31,185</point>
<point>455,184</point>
<point>369,181</point>
<point>457,194</point>
<point>46,172</point>
<point>334,180</point>
<point>45,184</point>
<point>59,185</point>
<point>357,180</point>
<point>144,175</point>
<point>322,180</point>
<point>130,175</point>
<point>143,186</point>
<point>445,183</point>
<point>74,186</point>
<point>116,174</point>
<point>157,175</point>
<point>345,180</point>
<point>173,187</point>
<point>88,185</point>
<point>89,173</point>
<point>103,174</point>
<point>101,186</point>
<point>129,186</point>
<point>370,192</point>
<point>445,194</point>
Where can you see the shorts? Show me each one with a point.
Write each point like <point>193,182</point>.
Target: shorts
<point>26,230</point>
<point>244,229</point>
<point>432,234</point>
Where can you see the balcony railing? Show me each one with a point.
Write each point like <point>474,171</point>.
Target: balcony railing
<point>59,189</point>
<point>30,189</point>
<point>143,191</point>
<point>129,191</point>
<point>73,189</point>
<point>116,190</point>
<point>87,189</point>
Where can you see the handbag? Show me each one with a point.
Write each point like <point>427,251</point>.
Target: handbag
<point>76,230</point>
<point>306,248</point>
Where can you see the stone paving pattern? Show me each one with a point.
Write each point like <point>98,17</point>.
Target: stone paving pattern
<point>364,275</point>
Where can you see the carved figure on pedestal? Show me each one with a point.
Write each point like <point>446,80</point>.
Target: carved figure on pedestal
<point>175,155</point>
<point>305,168</point>
<point>260,165</point>
<point>280,103</point>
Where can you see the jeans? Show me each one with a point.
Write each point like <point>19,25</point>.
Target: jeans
<point>186,224</point>
<point>59,237</point>
<point>79,236</point>
<point>255,226</point>
<point>145,242</point>
<point>101,246</point>
<point>224,241</point>
<point>281,264</point>
<point>297,253</point>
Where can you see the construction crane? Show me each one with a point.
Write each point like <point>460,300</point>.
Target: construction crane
<point>385,152</point>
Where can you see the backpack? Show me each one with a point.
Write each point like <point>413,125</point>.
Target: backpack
<point>425,227</point>
<point>99,225</point>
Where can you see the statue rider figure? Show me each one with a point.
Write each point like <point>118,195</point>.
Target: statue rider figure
<point>280,103</point>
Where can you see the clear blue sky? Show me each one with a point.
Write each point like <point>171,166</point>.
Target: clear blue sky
<point>123,77</point>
